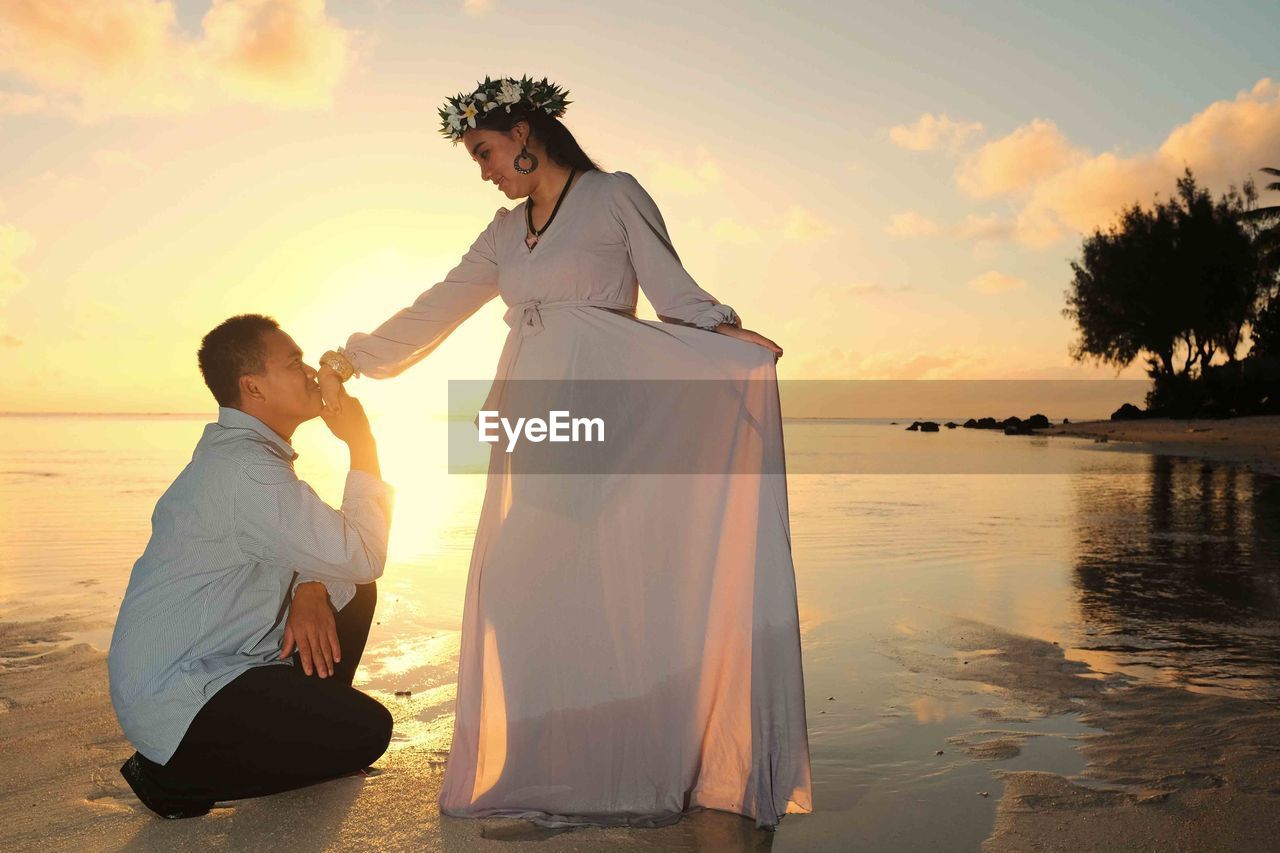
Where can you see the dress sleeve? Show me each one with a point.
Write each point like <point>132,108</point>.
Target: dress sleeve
<point>413,332</point>
<point>673,292</point>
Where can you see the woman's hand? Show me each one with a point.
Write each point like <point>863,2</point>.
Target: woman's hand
<point>330,388</point>
<point>750,337</point>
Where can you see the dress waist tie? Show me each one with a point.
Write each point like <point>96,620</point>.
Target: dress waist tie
<point>525,320</point>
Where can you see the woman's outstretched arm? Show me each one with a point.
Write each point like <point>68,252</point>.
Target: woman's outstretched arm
<point>412,333</point>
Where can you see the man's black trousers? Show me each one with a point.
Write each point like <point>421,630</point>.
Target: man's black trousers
<point>273,729</point>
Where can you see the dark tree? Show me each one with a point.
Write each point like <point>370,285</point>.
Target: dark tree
<point>1266,224</point>
<point>1178,282</point>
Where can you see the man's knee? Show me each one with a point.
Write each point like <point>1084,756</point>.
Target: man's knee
<point>377,733</point>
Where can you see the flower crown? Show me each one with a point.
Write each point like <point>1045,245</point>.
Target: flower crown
<point>460,112</point>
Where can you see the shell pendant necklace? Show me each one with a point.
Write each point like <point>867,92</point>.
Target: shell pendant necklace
<point>531,239</point>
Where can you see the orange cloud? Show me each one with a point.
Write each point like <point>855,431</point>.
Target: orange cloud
<point>996,282</point>
<point>113,57</point>
<point>285,52</point>
<point>930,132</point>
<point>1017,162</point>
<point>1065,192</point>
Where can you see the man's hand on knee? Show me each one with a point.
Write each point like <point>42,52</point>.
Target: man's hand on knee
<point>312,629</point>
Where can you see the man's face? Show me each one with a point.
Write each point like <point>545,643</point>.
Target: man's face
<point>287,384</point>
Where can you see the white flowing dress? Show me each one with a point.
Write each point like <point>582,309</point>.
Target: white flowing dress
<point>630,643</point>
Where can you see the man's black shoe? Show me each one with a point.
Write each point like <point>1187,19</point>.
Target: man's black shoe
<point>165,806</point>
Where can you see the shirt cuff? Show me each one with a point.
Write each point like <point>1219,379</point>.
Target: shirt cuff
<point>715,316</point>
<point>340,593</point>
<point>362,484</point>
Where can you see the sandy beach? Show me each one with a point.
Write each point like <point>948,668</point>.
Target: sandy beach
<point>1251,441</point>
<point>62,791</point>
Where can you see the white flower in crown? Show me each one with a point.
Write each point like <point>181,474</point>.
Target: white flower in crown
<point>510,93</point>
<point>453,117</point>
<point>469,113</point>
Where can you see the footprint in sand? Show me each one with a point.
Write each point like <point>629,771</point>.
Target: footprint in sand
<point>113,794</point>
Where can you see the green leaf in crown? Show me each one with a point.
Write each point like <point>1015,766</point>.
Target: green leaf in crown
<point>460,112</point>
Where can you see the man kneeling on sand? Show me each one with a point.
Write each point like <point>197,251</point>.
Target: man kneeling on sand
<point>245,564</point>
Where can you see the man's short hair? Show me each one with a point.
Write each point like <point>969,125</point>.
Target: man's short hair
<point>232,350</point>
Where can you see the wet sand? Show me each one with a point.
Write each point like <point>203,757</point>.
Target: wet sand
<point>1170,769</point>
<point>1252,441</point>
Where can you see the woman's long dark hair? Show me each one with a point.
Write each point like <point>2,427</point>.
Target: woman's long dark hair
<point>561,147</point>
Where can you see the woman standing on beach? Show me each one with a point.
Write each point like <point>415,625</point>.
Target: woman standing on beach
<point>630,644</point>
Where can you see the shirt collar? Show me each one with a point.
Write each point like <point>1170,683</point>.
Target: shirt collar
<point>236,419</point>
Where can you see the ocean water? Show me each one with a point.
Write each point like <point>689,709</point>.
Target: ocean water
<point>1162,569</point>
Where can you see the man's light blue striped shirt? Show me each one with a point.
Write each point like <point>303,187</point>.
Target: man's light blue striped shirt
<point>207,599</point>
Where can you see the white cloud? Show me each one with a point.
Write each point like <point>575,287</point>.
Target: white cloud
<point>930,132</point>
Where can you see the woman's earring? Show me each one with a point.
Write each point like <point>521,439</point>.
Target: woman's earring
<point>525,155</point>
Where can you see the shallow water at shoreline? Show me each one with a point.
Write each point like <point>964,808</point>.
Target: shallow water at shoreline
<point>1154,570</point>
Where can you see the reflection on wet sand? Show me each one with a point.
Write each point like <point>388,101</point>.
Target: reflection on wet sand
<point>1178,579</point>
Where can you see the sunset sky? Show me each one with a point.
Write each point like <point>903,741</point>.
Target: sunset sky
<point>890,191</point>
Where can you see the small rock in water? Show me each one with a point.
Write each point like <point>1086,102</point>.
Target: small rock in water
<point>983,794</point>
<point>939,752</point>
<point>831,698</point>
